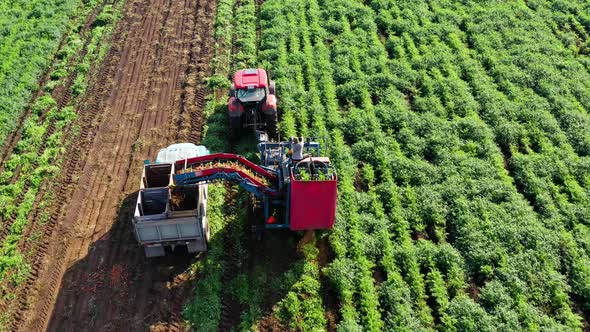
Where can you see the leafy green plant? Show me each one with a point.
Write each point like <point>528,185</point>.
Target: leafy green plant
<point>31,35</point>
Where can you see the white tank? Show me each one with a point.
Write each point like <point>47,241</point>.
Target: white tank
<point>180,151</point>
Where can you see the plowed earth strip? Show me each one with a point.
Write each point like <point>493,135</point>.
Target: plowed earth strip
<point>94,277</point>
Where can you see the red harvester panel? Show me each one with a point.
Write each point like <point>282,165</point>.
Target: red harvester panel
<point>312,204</point>
<point>250,77</point>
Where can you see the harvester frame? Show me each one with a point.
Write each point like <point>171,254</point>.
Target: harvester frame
<point>289,200</point>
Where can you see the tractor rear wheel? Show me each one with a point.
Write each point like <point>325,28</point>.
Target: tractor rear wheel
<point>232,90</point>
<point>235,127</point>
<point>271,125</point>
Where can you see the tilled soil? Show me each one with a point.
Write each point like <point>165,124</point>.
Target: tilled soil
<point>93,276</point>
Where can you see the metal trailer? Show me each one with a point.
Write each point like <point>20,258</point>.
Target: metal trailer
<point>167,215</point>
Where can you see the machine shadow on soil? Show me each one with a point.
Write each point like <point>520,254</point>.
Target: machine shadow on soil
<point>115,287</point>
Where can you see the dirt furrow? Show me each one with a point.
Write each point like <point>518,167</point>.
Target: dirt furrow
<point>96,276</point>
<point>108,171</point>
<point>190,122</point>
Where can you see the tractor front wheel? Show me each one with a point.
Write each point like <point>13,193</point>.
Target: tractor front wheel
<point>208,233</point>
<point>272,88</point>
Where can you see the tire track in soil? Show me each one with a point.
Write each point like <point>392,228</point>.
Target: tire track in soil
<point>190,120</point>
<point>125,290</point>
<point>139,82</point>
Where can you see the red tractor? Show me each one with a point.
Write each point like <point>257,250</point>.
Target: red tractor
<point>252,103</point>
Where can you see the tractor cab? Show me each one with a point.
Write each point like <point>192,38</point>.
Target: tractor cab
<point>251,94</point>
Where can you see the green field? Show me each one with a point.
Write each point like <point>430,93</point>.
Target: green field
<point>30,32</point>
<point>461,135</point>
<point>460,131</point>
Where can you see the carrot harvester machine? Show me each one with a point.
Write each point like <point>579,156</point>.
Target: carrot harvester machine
<point>288,194</point>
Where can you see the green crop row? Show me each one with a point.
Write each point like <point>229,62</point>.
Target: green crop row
<point>204,311</point>
<point>30,32</point>
<point>244,36</point>
<point>539,153</point>
<point>223,40</point>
